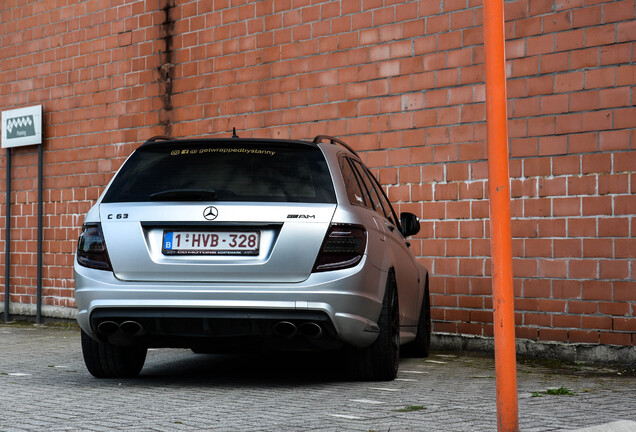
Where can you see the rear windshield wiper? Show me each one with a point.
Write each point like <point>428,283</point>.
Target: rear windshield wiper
<point>184,195</point>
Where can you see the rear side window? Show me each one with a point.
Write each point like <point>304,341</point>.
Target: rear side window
<point>245,171</point>
<point>375,193</point>
<point>386,205</point>
<point>354,191</point>
<point>372,193</point>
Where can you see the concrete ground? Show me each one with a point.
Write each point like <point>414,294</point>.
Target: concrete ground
<point>45,387</point>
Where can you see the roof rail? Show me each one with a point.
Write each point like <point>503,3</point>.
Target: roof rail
<point>334,140</point>
<point>159,137</point>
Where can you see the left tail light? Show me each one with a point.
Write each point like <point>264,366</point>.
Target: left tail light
<point>91,248</point>
<point>343,247</point>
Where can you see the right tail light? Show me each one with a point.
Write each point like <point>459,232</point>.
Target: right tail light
<point>343,247</point>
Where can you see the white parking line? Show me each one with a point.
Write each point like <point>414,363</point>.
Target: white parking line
<point>344,416</point>
<point>367,401</point>
<point>406,379</point>
<point>385,389</point>
<point>414,372</point>
<point>435,361</point>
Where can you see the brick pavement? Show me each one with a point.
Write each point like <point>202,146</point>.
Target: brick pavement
<point>44,386</point>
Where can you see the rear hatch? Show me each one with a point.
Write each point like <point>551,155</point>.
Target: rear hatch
<point>218,211</point>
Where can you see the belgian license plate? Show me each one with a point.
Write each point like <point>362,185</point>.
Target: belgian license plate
<point>210,242</point>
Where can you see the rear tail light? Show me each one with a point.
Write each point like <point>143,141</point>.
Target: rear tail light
<point>91,248</point>
<point>343,247</point>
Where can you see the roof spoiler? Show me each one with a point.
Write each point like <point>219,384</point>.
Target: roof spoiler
<point>333,140</point>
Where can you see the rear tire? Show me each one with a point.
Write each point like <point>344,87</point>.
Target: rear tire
<point>421,346</point>
<point>380,360</point>
<point>105,360</point>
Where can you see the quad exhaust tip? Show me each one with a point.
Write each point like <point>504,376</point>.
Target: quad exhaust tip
<point>129,328</point>
<point>310,329</point>
<point>132,328</point>
<point>108,327</point>
<point>285,329</point>
<point>288,329</point>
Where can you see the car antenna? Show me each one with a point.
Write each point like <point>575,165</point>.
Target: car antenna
<point>234,135</point>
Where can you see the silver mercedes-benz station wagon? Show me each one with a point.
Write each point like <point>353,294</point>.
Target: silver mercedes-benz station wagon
<point>227,244</point>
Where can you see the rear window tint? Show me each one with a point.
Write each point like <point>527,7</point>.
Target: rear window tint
<point>354,192</point>
<point>247,171</point>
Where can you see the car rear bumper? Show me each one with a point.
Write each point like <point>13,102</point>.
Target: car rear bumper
<point>345,304</point>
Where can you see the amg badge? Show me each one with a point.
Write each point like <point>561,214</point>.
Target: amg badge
<point>301,216</point>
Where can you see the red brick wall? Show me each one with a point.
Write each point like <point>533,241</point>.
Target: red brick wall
<point>403,82</point>
<point>94,70</point>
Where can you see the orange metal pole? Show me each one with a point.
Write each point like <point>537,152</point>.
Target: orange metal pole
<point>500,234</point>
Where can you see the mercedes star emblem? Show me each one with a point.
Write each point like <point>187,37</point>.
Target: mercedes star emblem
<point>210,213</point>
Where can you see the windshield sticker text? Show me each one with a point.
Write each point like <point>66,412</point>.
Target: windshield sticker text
<point>222,150</point>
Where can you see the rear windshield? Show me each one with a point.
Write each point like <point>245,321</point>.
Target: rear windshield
<point>248,171</point>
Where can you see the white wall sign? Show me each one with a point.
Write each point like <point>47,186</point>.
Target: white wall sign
<point>22,126</point>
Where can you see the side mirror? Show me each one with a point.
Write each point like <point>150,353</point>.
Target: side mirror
<point>410,224</point>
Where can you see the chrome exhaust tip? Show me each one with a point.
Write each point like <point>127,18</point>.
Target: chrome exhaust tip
<point>107,327</point>
<point>310,329</point>
<point>285,329</point>
<point>132,328</point>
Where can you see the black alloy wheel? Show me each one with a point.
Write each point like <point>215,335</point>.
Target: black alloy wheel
<point>421,346</point>
<point>380,360</point>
